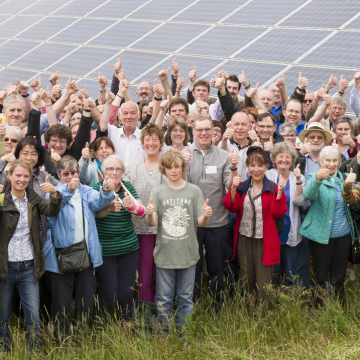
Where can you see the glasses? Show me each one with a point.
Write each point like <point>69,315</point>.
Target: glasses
<point>290,136</point>
<point>14,141</point>
<point>144,89</point>
<point>73,173</point>
<point>319,137</point>
<point>111,170</point>
<point>202,130</point>
<point>266,126</point>
<point>217,131</point>
<point>307,101</point>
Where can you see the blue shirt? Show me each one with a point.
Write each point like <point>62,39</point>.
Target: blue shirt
<point>299,128</point>
<point>287,221</point>
<point>275,110</point>
<point>340,226</point>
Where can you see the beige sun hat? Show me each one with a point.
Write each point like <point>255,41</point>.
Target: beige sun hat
<point>315,126</point>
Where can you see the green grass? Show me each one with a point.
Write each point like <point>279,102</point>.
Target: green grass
<point>293,329</point>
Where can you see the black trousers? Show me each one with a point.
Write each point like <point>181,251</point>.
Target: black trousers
<point>331,258</point>
<point>62,289</point>
<point>116,277</point>
<point>215,243</point>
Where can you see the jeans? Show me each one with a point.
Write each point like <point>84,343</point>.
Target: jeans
<point>62,289</point>
<point>22,276</point>
<point>169,280</point>
<point>302,269</point>
<point>147,268</point>
<point>289,259</point>
<point>116,277</point>
<point>215,241</point>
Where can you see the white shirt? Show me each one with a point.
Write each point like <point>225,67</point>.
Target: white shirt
<point>79,231</point>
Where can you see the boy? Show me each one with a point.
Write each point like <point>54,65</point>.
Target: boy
<point>178,204</point>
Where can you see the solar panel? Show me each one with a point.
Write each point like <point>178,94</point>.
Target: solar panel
<point>264,38</point>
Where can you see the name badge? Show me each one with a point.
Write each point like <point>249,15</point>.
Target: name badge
<point>211,169</point>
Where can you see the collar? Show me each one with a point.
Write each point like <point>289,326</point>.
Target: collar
<point>244,187</point>
<point>233,142</point>
<point>25,198</point>
<point>196,147</point>
<point>136,133</point>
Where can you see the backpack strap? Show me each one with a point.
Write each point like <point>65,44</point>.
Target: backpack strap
<point>272,187</point>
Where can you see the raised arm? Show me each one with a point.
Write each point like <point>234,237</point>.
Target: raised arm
<point>23,87</point>
<point>164,105</point>
<point>158,93</point>
<point>321,110</point>
<point>46,97</point>
<point>354,97</point>
<point>102,87</point>
<point>174,76</point>
<point>34,117</point>
<point>280,83</point>
<point>163,76</point>
<point>192,78</point>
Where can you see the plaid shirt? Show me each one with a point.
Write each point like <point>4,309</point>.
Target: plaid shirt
<point>20,246</point>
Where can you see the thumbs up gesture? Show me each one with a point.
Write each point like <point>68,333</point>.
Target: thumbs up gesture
<point>242,79</point>
<point>306,148</point>
<point>280,82</point>
<point>74,183</point>
<point>127,201</point>
<point>282,183</point>
<point>115,205</point>
<point>175,67</point>
<point>252,91</point>
<point>163,75</point>
<point>187,155</point>
<point>117,67</point>
<point>229,132</point>
<point>55,157</point>
<point>268,146</point>
<point>302,82</point>
<point>108,185</point>
<point>158,89</point>
<point>54,77</point>
<point>343,85</point>
<point>47,187</point>
<point>85,152</point>
<point>236,181</point>
<point>192,75</point>
<point>351,177</point>
<point>150,208</point>
<point>207,209</point>
<point>102,81</point>
<point>297,173</point>
<point>233,158</point>
<point>257,142</point>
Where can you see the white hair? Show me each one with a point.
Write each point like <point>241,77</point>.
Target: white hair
<point>14,98</point>
<point>19,134</point>
<point>328,151</point>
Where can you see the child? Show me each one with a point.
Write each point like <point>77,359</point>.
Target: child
<point>178,204</point>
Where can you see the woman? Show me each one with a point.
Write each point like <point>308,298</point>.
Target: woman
<point>12,137</point>
<point>253,114</point>
<point>218,132</point>
<point>74,129</point>
<point>144,175</point>
<point>257,202</point>
<point>178,134</point>
<point>90,171</point>
<point>288,132</point>
<point>328,225</point>
<point>283,156</point>
<point>343,129</point>
<point>23,261</point>
<point>74,224</point>
<point>120,247</point>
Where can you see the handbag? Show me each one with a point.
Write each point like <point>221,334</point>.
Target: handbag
<point>73,258</point>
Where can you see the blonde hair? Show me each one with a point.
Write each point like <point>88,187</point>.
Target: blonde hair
<point>115,158</point>
<point>170,158</point>
<point>22,163</point>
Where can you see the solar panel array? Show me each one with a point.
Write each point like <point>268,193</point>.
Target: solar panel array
<point>265,38</point>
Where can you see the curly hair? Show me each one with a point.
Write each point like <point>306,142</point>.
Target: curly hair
<point>59,131</point>
<point>283,147</point>
<point>152,129</point>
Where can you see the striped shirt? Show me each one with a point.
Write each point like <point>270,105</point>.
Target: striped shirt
<point>351,195</point>
<point>340,226</point>
<point>116,230</point>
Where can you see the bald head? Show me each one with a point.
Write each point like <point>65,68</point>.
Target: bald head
<point>240,123</point>
<point>267,98</point>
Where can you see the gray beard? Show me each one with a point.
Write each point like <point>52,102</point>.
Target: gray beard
<point>141,100</point>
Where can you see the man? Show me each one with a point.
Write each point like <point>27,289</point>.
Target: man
<point>355,95</point>
<point>292,112</point>
<point>14,110</point>
<point>144,92</point>
<point>267,99</point>
<point>209,168</point>
<point>233,89</point>
<point>335,106</point>
<point>277,105</point>
<point>315,137</point>
<point>201,91</point>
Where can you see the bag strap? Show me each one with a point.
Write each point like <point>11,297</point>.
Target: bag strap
<point>2,198</point>
<point>83,216</point>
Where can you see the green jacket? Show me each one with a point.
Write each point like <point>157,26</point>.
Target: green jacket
<point>318,222</point>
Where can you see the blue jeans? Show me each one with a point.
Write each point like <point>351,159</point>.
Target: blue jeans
<point>20,275</point>
<point>289,260</point>
<point>169,280</point>
<point>303,263</point>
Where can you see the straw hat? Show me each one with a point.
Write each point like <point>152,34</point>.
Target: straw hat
<point>316,126</point>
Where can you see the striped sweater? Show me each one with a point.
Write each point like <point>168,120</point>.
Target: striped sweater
<point>351,195</point>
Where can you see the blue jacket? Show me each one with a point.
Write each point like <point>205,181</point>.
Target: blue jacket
<point>318,222</point>
<point>62,226</point>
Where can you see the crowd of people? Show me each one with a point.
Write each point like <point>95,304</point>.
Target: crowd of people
<point>102,197</point>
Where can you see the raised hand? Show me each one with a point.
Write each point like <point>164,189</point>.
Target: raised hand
<point>175,67</point>
<point>102,80</point>
<point>55,157</point>
<point>150,208</point>
<point>192,75</point>
<point>121,75</point>
<point>282,183</point>
<point>297,173</point>
<point>229,132</point>
<point>187,155</point>
<point>207,209</point>
<point>180,82</point>
<point>268,146</point>
<point>163,75</point>
<point>23,87</point>
<point>100,107</point>
<point>74,183</point>
<point>334,144</point>
<point>36,97</point>
<point>306,148</point>
<point>54,78</point>
<point>302,82</point>
<point>127,201</point>
<point>236,181</point>
<point>201,106</point>
<point>55,91</point>
<point>2,129</point>
<point>257,142</point>
<point>233,158</point>
<point>242,79</point>
<point>71,86</point>
<point>108,185</point>
<point>9,158</point>
<point>223,74</point>
<point>327,99</point>
<point>151,107</point>
<point>117,67</point>
<point>36,83</point>
<point>321,92</point>
<point>165,104</point>
<point>322,174</point>
<point>333,81</point>
<point>115,205</point>
<point>46,96</point>
<point>351,177</point>
<point>85,92</point>
<point>124,86</point>
<point>85,152</point>
<point>158,89</point>
<point>252,91</point>
<point>253,135</point>
<point>347,140</point>
<point>47,187</point>
<point>280,82</point>
<point>357,79</point>
<point>89,103</point>
<point>3,95</point>
<point>219,82</point>
<point>110,97</point>
<point>343,85</point>
<point>72,108</point>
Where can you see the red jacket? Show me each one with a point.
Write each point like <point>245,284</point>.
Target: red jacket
<point>272,208</point>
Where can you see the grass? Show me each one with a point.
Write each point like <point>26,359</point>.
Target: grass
<point>293,329</point>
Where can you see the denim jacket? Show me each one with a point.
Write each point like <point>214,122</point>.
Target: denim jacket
<point>62,226</point>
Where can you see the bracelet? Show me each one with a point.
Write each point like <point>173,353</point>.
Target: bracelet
<point>157,99</point>
<point>24,96</point>
<point>89,110</point>
<point>233,190</point>
<point>302,90</point>
<point>48,104</point>
<point>233,169</point>
<point>300,183</point>
<point>341,93</point>
<point>119,96</point>
<point>102,91</point>
<point>247,87</point>
<point>177,91</point>
<point>53,192</point>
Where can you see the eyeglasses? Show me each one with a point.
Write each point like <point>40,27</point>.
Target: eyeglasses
<point>290,136</point>
<point>217,131</point>
<point>73,173</point>
<point>202,130</point>
<point>266,126</point>
<point>308,101</point>
<point>14,141</point>
<point>111,170</point>
<point>144,89</point>
<point>319,137</point>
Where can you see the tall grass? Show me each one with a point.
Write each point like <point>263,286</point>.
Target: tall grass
<point>294,328</point>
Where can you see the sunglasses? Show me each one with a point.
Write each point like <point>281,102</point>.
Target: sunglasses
<point>14,141</point>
